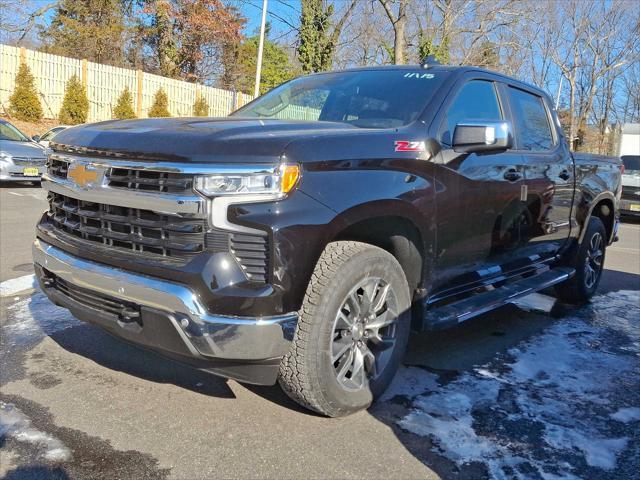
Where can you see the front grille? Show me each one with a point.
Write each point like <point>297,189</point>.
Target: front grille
<point>125,311</point>
<point>631,193</point>
<point>149,180</point>
<point>250,251</point>
<point>131,229</point>
<point>134,179</point>
<point>57,168</point>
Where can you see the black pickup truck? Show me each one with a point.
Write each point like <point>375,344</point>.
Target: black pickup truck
<point>301,239</point>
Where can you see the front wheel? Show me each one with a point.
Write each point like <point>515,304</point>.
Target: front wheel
<point>352,332</point>
<point>588,261</point>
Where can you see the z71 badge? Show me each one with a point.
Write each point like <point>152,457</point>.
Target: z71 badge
<point>408,146</point>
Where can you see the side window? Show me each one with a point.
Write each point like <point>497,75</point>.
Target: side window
<point>476,100</point>
<point>531,122</point>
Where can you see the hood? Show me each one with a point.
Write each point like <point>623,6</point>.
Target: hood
<point>22,149</point>
<point>198,140</point>
<point>631,178</point>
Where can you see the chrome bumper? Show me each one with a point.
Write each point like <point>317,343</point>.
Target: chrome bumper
<point>10,172</point>
<point>204,334</point>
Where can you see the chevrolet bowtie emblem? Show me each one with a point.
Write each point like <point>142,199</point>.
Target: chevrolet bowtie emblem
<point>81,175</point>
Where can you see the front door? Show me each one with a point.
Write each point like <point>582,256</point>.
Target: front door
<point>478,197</point>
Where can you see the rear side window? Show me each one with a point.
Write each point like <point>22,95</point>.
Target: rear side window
<point>476,100</point>
<point>531,122</point>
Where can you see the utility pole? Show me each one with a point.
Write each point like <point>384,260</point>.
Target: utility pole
<point>256,88</point>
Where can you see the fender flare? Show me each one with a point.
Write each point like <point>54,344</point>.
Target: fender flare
<point>606,195</point>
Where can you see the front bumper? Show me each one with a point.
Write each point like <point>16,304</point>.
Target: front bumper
<point>630,207</point>
<point>10,172</point>
<point>165,316</point>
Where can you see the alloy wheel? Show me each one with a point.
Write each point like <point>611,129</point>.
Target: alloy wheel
<point>593,261</point>
<point>364,333</point>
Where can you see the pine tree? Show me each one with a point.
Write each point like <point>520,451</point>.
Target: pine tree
<point>160,107</point>
<point>124,107</point>
<point>315,49</point>
<point>318,34</point>
<point>200,107</point>
<point>95,29</point>
<point>276,67</point>
<point>24,104</point>
<point>75,105</point>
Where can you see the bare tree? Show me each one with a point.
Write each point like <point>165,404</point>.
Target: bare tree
<point>25,15</point>
<point>399,22</point>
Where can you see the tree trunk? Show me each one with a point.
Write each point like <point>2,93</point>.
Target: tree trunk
<point>166,41</point>
<point>399,24</point>
<point>399,41</point>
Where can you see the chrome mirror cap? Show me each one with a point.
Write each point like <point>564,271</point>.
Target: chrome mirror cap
<point>482,136</point>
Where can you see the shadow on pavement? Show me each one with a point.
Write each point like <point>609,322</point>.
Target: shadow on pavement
<point>116,354</point>
<point>22,184</point>
<point>613,281</point>
<point>37,473</point>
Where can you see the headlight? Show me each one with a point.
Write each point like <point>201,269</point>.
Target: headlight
<point>271,183</point>
<point>5,157</point>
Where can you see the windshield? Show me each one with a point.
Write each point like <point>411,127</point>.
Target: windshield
<point>11,133</point>
<point>367,98</point>
<point>631,162</point>
<point>51,133</point>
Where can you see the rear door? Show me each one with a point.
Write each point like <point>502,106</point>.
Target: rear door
<point>477,195</point>
<point>549,174</point>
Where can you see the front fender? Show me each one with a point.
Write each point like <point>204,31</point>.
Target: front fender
<point>362,190</point>
<point>329,199</point>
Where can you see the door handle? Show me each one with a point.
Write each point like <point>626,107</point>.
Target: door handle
<point>512,175</point>
<point>565,175</point>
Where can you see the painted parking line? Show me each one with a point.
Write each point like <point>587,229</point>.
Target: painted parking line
<point>17,285</point>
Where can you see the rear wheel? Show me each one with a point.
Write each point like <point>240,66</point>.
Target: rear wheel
<point>588,260</point>
<point>352,332</point>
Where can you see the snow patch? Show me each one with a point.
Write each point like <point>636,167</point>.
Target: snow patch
<point>409,382</point>
<point>15,424</point>
<point>539,408</point>
<point>627,415</point>
<point>17,285</point>
<point>535,302</point>
<point>31,319</point>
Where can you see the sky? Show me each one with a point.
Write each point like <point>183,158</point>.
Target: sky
<point>280,14</point>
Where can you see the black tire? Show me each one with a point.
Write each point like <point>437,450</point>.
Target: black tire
<point>588,264</point>
<point>308,373</point>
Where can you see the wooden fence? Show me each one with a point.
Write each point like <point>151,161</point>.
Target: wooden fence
<point>104,85</point>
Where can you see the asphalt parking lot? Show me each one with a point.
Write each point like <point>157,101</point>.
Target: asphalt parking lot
<point>537,391</point>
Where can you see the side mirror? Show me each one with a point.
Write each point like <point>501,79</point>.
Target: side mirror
<point>36,138</point>
<point>471,137</point>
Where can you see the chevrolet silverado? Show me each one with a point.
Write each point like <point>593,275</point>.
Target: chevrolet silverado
<point>304,237</point>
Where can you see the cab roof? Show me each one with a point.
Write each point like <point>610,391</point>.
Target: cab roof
<point>456,70</point>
